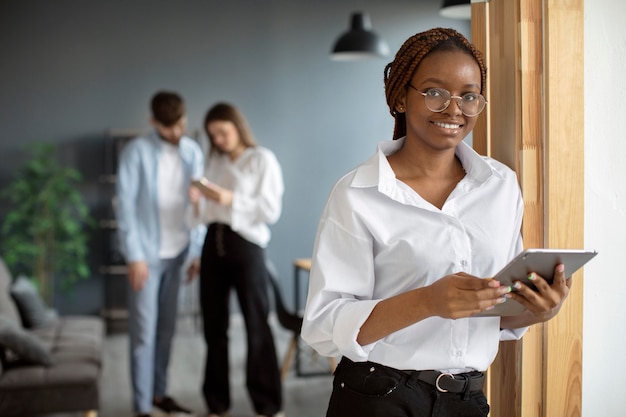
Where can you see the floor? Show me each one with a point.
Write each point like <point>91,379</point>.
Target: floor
<point>304,396</point>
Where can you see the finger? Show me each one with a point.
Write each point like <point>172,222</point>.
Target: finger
<point>526,296</point>
<point>538,302</point>
<point>491,297</point>
<point>493,304</point>
<point>539,282</point>
<point>470,282</point>
<point>484,282</point>
<point>486,298</point>
<point>559,275</point>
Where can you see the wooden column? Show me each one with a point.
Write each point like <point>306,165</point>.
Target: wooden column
<point>480,29</point>
<point>534,124</point>
<point>531,174</point>
<point>492,29</point>
<point>564,191</point>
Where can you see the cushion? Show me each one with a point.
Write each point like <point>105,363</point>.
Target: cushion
<point>31,306</point>
<point>7,305</point>
<point>2,359</point>
<point>22,344</point>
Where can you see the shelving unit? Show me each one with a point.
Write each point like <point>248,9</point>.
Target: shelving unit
<point>113,268</point>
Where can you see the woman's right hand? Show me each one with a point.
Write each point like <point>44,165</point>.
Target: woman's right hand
<point>452,297</point>
<point>462,295</point>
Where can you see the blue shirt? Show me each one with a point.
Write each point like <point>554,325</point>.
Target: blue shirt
<point>137,205</point>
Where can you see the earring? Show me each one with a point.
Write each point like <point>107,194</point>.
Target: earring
<point>401,109</point>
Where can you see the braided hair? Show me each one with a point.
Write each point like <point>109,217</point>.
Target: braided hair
<point>399,72</point>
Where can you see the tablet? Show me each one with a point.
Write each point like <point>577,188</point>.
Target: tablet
<point>202,184</point>
<point>542,262</point>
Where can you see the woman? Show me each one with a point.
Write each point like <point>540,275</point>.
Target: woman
<point>242,194</point>
<point>406,244</point>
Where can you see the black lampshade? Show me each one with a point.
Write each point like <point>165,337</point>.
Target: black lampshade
<point>359,42</point>
<point>456,9</point>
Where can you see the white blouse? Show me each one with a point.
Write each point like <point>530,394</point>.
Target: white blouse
<point>256,180</point>
<point>378,238</point>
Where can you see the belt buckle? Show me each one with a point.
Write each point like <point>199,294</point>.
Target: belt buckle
<point>438,378</point>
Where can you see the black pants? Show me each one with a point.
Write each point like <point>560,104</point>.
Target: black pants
<point>229,261</point>
<point>373,390</point>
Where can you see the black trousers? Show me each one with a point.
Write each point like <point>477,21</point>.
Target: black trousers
<point>229,261</point>
<point>373,390</point>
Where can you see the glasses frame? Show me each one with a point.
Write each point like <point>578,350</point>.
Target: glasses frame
<point>459,101</point>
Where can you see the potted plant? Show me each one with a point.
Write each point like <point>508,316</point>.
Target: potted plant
<point>43,233</point>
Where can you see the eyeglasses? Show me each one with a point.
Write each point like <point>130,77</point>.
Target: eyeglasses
<point>438,99</point>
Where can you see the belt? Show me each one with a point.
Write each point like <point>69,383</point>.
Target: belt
<point>444,382</point>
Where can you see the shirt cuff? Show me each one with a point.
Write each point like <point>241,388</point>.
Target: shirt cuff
<point>512,334</point>
<point>347,328</point>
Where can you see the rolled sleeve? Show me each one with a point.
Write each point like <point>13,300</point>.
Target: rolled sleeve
<point>347,328</point>
<point>512,334</point>
<point>340,296</point>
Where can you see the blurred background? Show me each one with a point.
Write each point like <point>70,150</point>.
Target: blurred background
<point>73,70</point>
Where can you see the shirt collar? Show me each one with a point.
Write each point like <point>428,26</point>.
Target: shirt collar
<point>376,171</point>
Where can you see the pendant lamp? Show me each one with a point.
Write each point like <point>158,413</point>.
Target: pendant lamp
<point>456,9</point>
<point>359,42</point>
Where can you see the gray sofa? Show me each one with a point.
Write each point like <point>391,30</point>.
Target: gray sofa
<point>51,367</point>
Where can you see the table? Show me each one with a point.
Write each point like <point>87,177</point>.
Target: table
<point>300,265</point>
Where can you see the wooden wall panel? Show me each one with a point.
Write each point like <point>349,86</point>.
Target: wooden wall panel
<point>534,50</point>
<point>503,109</point>
<point>480,25</point>
<point>564,178</point>
<point>531,172</point>
<point>491,23</point>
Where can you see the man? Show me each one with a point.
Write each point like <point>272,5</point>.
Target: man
<point>154,175</point>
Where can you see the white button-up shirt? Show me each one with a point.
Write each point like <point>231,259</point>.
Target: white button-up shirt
<point>256,180</point>
<point>378,238</point>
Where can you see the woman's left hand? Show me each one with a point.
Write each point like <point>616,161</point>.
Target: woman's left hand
<point>545,302</point>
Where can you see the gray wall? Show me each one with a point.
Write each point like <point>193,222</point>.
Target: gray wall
<point>72,69</point>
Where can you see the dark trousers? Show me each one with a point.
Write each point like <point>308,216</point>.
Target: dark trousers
<point>373,390</point>
<point>229,261</point>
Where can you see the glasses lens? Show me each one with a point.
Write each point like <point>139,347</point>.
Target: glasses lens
<point>437,99</point>
<point>472,104</point>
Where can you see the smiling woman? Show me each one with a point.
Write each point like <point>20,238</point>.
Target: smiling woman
<point>407,244</point>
